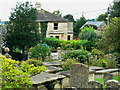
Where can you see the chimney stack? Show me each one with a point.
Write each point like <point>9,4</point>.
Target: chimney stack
<point>38,6</point>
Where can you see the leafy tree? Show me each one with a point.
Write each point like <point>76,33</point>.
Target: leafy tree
<point>57,12</point>
<point>22,29</point>
<point>115,9</point>
<point>79,23</point>
<point>102,17</point>
<point>111,40</point>
<point>89,34</point>
<point>69,17</point>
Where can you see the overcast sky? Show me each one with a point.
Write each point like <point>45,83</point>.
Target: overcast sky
<point>91,8</point>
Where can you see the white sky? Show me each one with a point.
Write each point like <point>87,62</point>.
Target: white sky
<point>91,8</point>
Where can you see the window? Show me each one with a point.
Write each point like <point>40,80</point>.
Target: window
<point>57,37</point>
<point>55,26</point>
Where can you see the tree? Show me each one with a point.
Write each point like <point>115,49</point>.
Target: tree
<point>111,40</point>
<point>22,29</point>
<point>102,17</point>
<point>69,17</point>
<point>79,23</point>
<point>57,12</point>
<point>89,34</point>
<point>115,12</point>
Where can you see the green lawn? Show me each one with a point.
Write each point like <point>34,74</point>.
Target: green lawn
<point>102,80</point>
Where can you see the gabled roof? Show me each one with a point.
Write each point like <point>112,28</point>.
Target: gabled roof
<point>94,23</point>
<point>45,16</point>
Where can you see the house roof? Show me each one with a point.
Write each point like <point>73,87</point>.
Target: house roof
<point>45,16</point>
<point>94,23</point>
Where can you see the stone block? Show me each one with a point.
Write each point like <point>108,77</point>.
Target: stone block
<point>79,74</point>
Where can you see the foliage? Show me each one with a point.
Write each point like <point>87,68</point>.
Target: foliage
<point>89,34</point>
<point>79,23</point>
<point>31,69</point>
<point>98,53</point>
<point>17,50</point>
<point>13,77</point>
<point>40,52</point>
<point>102,17</point>
<point>22,29</point>
<point>108,61</point>
<point>36,63</point>
<point>115,10</point>
<point>81,55</point>
<point>111,40</point>
<point>69,17</point>
<point>57,12</point>
<point>68,45</point>
<point>66,64</point>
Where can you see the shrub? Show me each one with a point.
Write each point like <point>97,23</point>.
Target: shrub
<point>97,52</point>
<point>81,55</point>
<point>89,34</point>
<point>40,52</point>
<point>68,45</point>
<point>31,69</point>
<point>36,63</point>
<point>107,61</point>
<point>66,64</point>
<point>13,77</point>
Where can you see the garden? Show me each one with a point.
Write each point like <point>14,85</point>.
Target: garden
<point>30,53</point>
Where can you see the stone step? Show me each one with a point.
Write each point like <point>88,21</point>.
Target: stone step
<point>58,64</point>
<point>53,69</point>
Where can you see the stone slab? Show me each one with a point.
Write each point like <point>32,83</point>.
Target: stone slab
<point>67,73</point>
<point>107,70</point>
<point>96,68</point>
<point>52,69</point>
<point>52,64</point>
<point>45,77</point>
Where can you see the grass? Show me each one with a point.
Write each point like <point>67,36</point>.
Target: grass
<point>102,80</point>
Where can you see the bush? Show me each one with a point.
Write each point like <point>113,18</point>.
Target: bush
<point>40,52</point>
<point>68,45</point>
<point>14,77</point>
<point>36,63</point>
<point>81,56</point>
<point>31,69</point>
<point>107,61</point>
<point>66,64</point>
<point>89,34</point>
<point>98,53</point>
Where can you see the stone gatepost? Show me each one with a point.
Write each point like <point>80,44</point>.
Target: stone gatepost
<point>59,53</point>
<point>7,50</point>
<point>79,74</point>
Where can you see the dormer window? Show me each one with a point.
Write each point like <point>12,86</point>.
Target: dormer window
<point>55,26</point>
